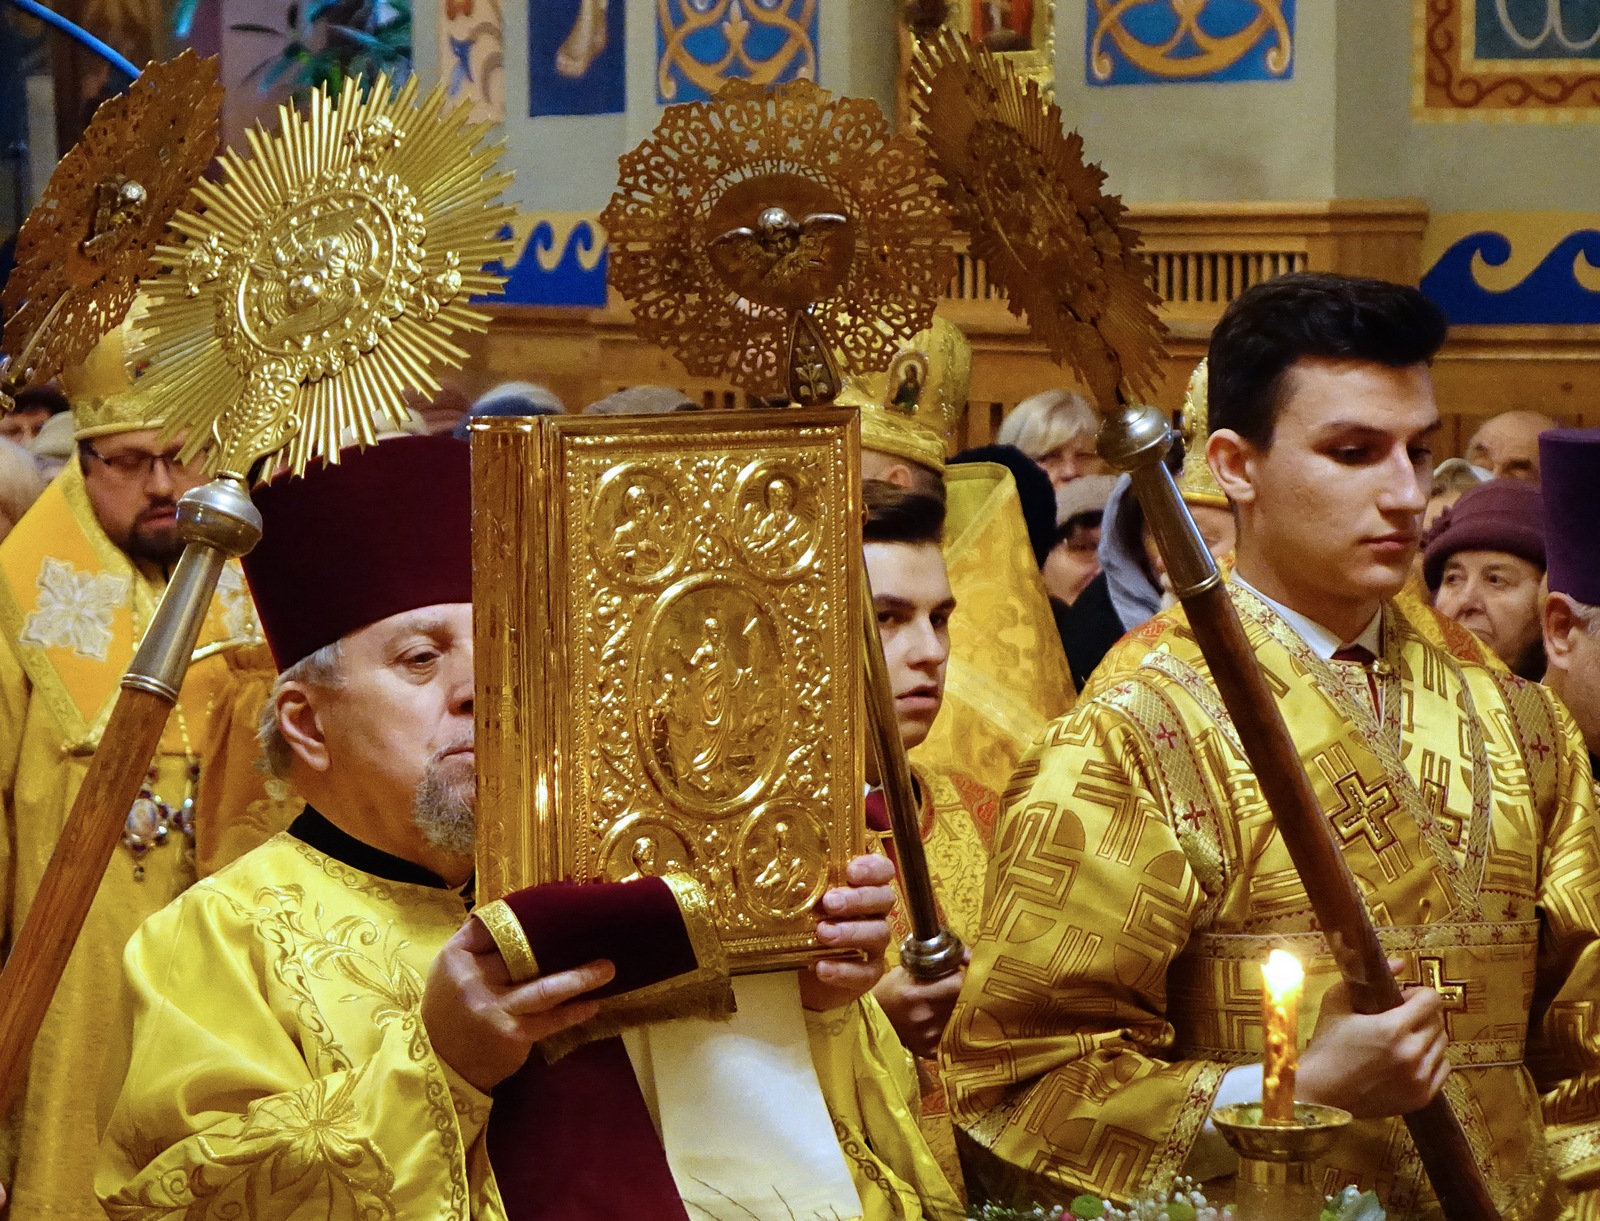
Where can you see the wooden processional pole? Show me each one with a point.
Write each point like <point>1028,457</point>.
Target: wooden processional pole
<point>217,521</point>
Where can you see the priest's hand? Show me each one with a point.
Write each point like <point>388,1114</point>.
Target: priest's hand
<point>481,1024</point>
<point>919,1011</point>
<point>1380,1064</point>
<point>854,917</point>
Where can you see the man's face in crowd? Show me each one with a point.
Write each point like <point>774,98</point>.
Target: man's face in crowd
<point>1498,598</point>
<point>23,424</point>
<point>1333,507</point>
<point>912,599</point>
<point>399,723</point>
<point>1572,649</point>
<point>1508,445</point>
<point>133,482</point>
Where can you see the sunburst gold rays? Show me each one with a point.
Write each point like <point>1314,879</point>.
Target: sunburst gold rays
<point>1039,217</point>
<point>83,249</point>
<point>742,308</point>
<point>324,276</point>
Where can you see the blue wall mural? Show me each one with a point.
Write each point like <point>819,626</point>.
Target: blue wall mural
<point>702,43</point>
<point>1511,268</point>
<point>562,262</point>
<point>1157,42</point>
<point>577,57</point>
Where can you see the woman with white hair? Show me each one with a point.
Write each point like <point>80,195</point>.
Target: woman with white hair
<point>1057,430</point>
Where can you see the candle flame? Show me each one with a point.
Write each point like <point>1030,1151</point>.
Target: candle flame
<point>1282,974</point>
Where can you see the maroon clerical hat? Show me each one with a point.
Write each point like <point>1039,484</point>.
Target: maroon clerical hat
<point>384,530</point>
<point>1569,472</point>
<point>1501,515</point>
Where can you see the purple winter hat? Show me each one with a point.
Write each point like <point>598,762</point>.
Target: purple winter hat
<point>1569,475</point>
<point>1501,515</point>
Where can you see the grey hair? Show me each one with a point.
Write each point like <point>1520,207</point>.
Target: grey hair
<point>320,669</point>
<point>20,483</point>
<point>1047,421</point>
<point>643,400</point>
<point>1586,614</point>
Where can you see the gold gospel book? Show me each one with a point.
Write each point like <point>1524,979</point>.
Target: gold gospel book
<point>668,613</point>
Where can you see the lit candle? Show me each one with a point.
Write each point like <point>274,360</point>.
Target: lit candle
<point>1282,979</point>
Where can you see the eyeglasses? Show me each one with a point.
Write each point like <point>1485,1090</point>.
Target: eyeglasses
<point>138,465</point>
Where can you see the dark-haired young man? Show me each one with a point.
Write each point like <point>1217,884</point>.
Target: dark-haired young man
<point>1113,997</point>
<point>911,596</point>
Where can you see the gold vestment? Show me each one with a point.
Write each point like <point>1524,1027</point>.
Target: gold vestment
<point>1138,883</point>
<point>72,607</point>
<point>276,1064</point>
<point>1007,677</point>
<point>957,819</point>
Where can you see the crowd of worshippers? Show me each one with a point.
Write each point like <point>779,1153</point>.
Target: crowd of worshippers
<point>343,882</point>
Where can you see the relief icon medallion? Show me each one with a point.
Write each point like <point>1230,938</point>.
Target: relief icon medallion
<point>781,860</point>
<point>637,515</point>
<point>711,716</point>
<point>777,513</point>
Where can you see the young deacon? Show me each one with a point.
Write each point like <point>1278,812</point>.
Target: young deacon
<point>912,599</point>
<point>1138,881</point>
<point>319,1031</point>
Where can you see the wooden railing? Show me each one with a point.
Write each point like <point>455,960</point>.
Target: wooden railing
<point>1202,256</point>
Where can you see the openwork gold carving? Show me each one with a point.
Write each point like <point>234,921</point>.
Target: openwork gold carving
<point>1039,218</point>
<point>325,275</point>
<point>81,252</point>
<point>668,618</point>
<point>760,233</point>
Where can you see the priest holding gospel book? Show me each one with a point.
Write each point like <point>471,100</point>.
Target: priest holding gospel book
<point>321,1030</point>
<point>1140,879</point>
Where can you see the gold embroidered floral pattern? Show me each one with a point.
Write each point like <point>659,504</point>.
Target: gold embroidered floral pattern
<point>75,609</point>
<point>303,1145</point>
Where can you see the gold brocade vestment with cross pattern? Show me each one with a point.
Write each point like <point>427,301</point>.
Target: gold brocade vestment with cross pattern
<point>1138,883</point>
<point>72,608</point>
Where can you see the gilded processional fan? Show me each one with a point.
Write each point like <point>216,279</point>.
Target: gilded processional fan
<point>83,249</point>
<point>324,276</point>
<point>1039,217</point>
<point>760,233</point>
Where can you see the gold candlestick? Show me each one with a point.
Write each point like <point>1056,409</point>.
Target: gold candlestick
<point>1276,1157</point>
<point>1282,979</point>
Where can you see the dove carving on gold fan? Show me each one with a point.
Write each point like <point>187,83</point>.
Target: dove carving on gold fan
<point>789,264</point>
<point>760,233</point>
<point>781,259</point>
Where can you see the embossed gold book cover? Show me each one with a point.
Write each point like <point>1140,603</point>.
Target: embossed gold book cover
<point>668,620</point>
